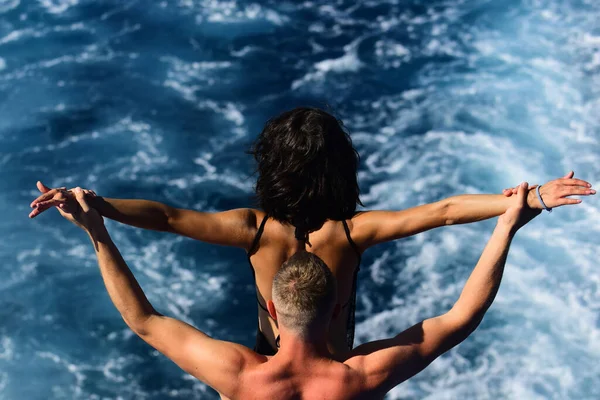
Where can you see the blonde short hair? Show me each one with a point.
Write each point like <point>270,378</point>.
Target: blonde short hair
<point>304,292</point>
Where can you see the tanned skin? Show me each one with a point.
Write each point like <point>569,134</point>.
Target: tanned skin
<point>303,368</point>
<point>238,227</point>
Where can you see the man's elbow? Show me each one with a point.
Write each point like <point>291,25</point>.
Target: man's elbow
<point>139,326</point>
<point>464,324</point>
<point>466,329</point>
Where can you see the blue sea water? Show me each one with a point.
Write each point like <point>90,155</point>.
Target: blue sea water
<point>160,99</point>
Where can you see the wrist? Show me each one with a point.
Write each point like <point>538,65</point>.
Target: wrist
<point>532,200</point>
<point>504,230</point>
<point>95,202</point>
<point>97,232</point>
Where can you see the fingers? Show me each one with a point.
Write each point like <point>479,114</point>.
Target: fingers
<point>523,190</point>
<point>577,191</point>
<point>570,201</point>
<point>35,213</point>
<point>46,196</point>
<point>40,209</point>
<point>43,206</point>
<point>51,203</point>
<point>510,191</point>
<point>569,175</point>
<point>41,187</point>
<point>575,182</point>
<point>86,192</point>
<point>80,196</point>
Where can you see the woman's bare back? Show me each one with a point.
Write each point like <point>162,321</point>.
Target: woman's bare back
<point>277,244</point>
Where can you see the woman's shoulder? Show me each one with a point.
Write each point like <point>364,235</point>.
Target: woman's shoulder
<point>360,226</point>
<point>246,221</point>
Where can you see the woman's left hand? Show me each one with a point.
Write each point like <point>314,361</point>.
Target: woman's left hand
<point>80,213</point>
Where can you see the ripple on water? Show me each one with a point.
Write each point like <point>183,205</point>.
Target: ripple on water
<point>440,99</point>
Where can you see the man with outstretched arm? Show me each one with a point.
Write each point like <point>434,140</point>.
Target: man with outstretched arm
<point>304,303</point>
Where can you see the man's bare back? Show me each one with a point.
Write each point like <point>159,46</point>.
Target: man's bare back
<point>315,379</point>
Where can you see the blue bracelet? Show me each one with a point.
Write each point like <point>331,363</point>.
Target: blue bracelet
<point>542,201</point>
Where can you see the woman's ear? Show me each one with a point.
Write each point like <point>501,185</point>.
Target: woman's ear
<point>271,308</point>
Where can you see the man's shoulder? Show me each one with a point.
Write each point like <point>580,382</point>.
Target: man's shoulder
<point>250,358</point>
<point>369,368</point>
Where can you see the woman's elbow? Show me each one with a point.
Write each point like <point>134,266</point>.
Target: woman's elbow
<point>446,212</point>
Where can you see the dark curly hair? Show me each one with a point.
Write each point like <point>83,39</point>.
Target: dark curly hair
<point>307,170</point>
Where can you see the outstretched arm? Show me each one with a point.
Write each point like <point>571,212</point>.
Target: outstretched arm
<point>229,228</point>
<point>388,362</point>
<point>374,227</point>
<point>215,362</point>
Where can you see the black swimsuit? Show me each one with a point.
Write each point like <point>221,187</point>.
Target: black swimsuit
<point>262,345</point>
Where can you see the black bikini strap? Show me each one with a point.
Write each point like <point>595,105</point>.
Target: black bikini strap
<point>278,338</point>
<point>253,249</point>
<point>257,237</point>
<point>261,306</point>
<point>353,294</point>
<point>352,244</point>
<point>359,256</point>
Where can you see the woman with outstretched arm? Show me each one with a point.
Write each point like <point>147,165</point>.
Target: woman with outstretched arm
<point>307,191</point>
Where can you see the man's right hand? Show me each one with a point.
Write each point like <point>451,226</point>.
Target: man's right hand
<point>81,214</point>
<point>519,215</point>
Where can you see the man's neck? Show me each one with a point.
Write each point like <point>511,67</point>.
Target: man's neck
<point>301,348</point>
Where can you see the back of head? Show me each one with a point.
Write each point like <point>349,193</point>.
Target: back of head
<point>304,293</point>
<point>307,169</point>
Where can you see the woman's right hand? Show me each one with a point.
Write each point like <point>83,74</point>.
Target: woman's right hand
<point>556,192</point>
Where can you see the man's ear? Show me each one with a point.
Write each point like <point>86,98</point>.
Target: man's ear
<point>271,308</point>
<point>336,311</point>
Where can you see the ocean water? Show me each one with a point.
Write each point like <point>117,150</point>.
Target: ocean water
<point>160,99</point>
